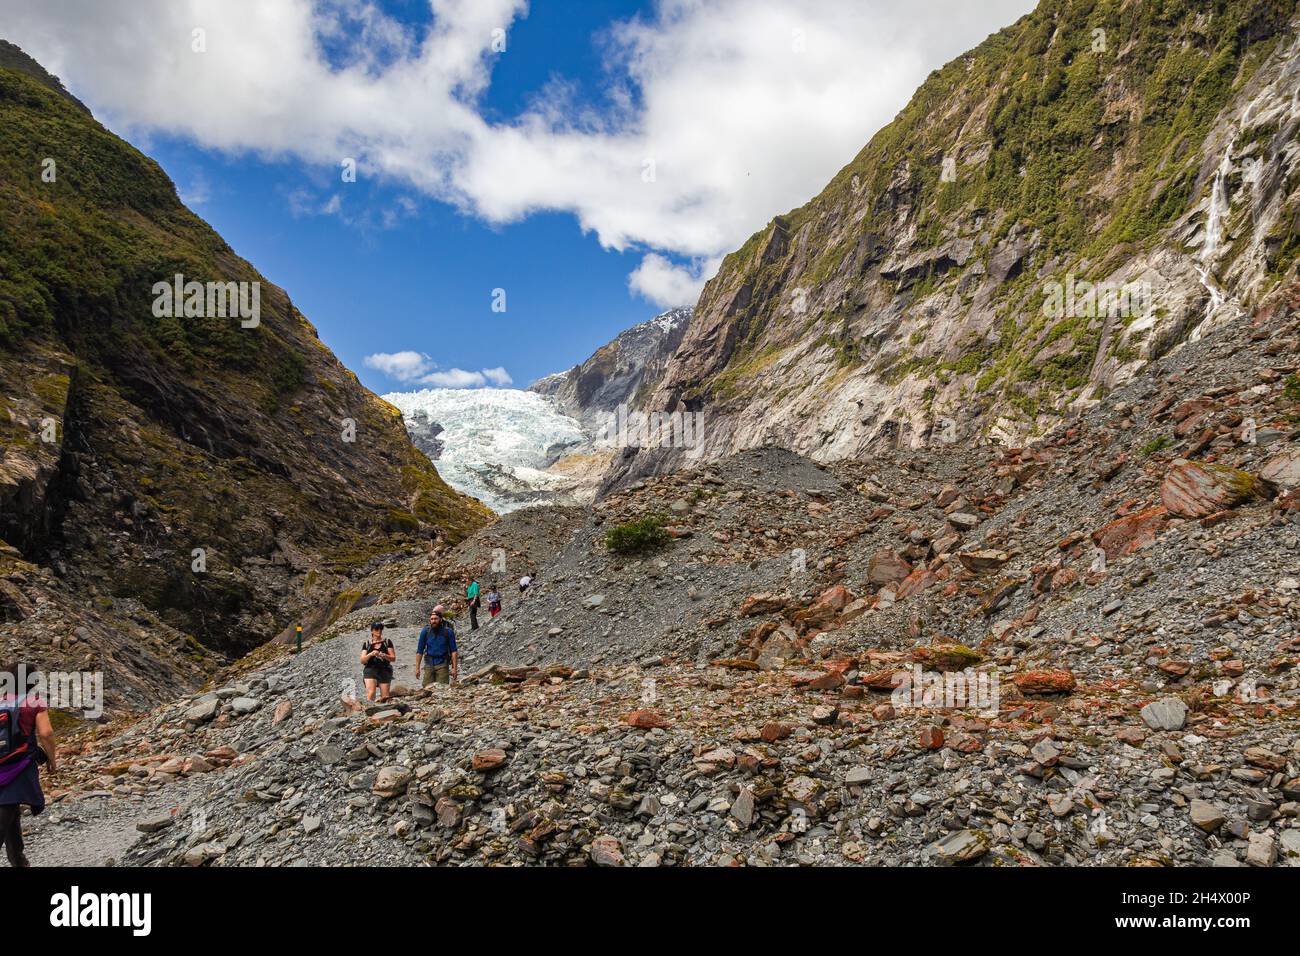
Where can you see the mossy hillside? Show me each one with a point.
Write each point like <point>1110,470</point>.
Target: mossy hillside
<point>1091,151</point>
<point>191,433</point>
<point>82,253</point>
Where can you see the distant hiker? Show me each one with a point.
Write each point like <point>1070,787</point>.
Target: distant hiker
<point>377,656</point>
<point>474,601</point>
<point>26,743</point>
<point>524,584</point>
<point>436,651</point>
<point>494,601</point>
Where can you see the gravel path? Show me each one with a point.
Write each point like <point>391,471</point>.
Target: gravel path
<point>98,829</point>
<point>95,830</point>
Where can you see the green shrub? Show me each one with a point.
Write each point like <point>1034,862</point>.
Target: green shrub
<point>1155,445</point>
<point>638,537</point>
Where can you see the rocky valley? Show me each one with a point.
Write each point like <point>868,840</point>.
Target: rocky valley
<point>987,554</point>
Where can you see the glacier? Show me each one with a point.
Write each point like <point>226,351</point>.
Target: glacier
<point>491,443</point>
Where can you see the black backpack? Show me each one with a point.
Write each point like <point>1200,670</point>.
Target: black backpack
<point>14,744</point>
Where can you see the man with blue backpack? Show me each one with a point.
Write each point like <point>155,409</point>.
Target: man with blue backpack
<point>436,653</point>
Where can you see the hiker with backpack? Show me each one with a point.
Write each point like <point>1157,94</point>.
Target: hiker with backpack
<point>26,743</point>
<point>494,601</point>
<point>473,600</point>
<point>377,656</point>
<point>436,653</point>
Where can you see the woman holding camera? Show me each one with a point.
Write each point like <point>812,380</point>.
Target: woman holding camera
<point>377,656</point>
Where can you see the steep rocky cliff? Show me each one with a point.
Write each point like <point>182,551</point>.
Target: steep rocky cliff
<point>1086,191</point>
<point>622,372</point>
<point>176,479</point>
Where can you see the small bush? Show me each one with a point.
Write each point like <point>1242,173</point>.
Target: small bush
<point>638,537</point>
<point>1158,444</point>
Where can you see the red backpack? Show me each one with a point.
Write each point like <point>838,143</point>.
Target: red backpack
<point>14,744</point>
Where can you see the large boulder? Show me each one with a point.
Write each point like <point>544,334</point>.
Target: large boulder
<point>1197,490</point>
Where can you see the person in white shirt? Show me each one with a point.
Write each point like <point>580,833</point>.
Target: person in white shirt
<point>524,583</point>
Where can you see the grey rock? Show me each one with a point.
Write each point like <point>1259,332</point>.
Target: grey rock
<point>1168,713</point>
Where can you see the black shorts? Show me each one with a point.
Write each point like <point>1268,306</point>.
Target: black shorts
<point>383,675</point>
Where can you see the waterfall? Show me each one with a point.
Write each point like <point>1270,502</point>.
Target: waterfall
<point>1220,208</point>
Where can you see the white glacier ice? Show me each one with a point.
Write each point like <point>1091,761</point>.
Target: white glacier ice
<point>496,441</point>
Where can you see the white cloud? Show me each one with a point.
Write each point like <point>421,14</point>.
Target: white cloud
<point>403,366</point>
<point>197,193</point>
<point>416,368</point>
<point>459,378</point>
<point>742,109</point>
<point>669,285</point>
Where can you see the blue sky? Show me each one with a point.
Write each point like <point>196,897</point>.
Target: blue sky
<point>597,169</point>
<point>425,282</point>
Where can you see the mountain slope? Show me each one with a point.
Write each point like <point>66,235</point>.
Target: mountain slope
<point>926,294</point>
<point>620,372</point>
<point>169,484</point>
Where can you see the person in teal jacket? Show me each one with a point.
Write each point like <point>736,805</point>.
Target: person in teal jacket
<point>473,600</point>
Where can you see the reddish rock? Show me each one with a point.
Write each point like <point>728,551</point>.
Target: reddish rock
<point>1130,533</point>
<point>644,719</point>
<point>1175,668</point>
<point>946,657</point>
<point>605,851</point>
<point>1193,490</point>
<point>841,665</point>
<point>824,611</point>
<point>765,603</point>
<point>886,567</point>
<point>883,712</point>
<point>985,560</point>
<point>487,760</point>
<point>918,580</point>
<point>966,743</point>
<point>1283,470</point>
<point>1131,735</point>
<point>825,681</point>
<point>1044,682</point>
<point>881,680</point>
<point>282,712</point>
<point>931,738</point>
<point>1063,579</point>
<point>774,731</point>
